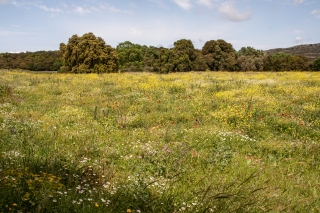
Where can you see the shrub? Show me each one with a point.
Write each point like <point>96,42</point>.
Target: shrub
<point>316,64</point>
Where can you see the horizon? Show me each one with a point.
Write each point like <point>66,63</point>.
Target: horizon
<point>34,25</point>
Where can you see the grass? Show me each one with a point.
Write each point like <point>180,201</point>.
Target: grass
<point>183,142</point>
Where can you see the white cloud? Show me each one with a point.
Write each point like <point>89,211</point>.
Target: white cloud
<point>230,12</point>
<point>40,6</point>
<point>316,13</point>
<point>45,8</point>
<point>113,9</point>
<point>18,4</point>
<point>299,40</point>
<point>116,10</point>
<point>64,5</point>
<point>13,33</point>
<point>295,2</point>
<point>81,11</point>
<point>3,1</point>
<point>184,4</point>
<point>207,3</point>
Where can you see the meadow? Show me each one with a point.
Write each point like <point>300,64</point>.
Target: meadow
<point>143,142</point>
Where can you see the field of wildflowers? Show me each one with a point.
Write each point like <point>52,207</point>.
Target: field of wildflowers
<point>142,142</point>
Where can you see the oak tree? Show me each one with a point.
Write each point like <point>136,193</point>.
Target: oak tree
<point>88,54</point>
<point>184,55</point>
<point>250,59</point>
<point>219,55</point>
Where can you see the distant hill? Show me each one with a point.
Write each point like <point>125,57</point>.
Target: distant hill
<point>311,51</point>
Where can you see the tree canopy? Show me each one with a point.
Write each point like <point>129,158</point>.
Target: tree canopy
<point>250,51</point>
<point>285,62</point>
<point>250,59</point>
<point>35,61</point>
<point>88,54</point>
<point>316,64</point>
<point>130,56</point>
<point>219,55</point>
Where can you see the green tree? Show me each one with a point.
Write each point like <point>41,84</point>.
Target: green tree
<point>88,54</point>
<point>246,63</point>
<point>152,58</point>
<point>199,64</point>
<point>219,55</point>
<point>316,64</point>
<point>57,64</point>
<point>185,47</point>
<point>168,61</point>
<point>299,63</point>
<point>184,55</point>
<point>250,59</point>
<point>250,51</point>
<point>130,56</point>
<point>278,62</point>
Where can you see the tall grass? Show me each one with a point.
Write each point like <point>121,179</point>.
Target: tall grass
<point>183,142</point>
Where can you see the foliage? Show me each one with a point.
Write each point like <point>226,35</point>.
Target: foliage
<point>184,55</point>
<point>134,57</point>
<point>152,60</point>
<point>35,61</point>
<point>130,56</point>
<point>250,59</point>
<point>167,58</point>
<point>249,63</point>
<point>88,54</point>
<point>285,62</point>
<point>142,142</point>
<point>250,51</point>
<point>299,62</point>
<point>219,55</point>
<point>199,64</point>
<point>316,64</point>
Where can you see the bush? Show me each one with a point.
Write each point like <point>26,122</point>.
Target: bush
<point>316,64</point>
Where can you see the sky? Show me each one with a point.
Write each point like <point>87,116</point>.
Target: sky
<point>34,25</point>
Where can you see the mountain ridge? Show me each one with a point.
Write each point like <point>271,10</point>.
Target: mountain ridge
<point>311,51</point>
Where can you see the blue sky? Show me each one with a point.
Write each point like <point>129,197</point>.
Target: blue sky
<point>33,25</point>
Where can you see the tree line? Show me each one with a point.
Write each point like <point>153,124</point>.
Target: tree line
<point>90,54</point>
<point>35,61</point>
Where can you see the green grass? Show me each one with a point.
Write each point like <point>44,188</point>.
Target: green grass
<point>183,142</point>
